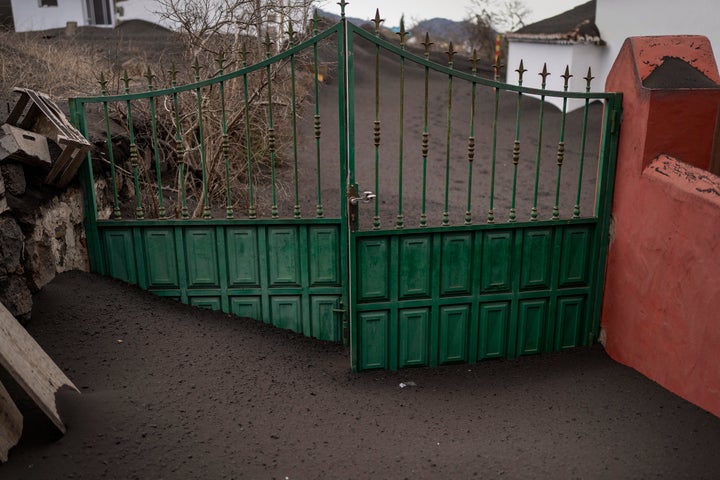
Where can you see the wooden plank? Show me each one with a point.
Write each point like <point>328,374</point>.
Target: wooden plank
<point>11,423</point>
<point>30,366</point>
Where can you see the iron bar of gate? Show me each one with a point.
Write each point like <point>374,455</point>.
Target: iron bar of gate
<point>471,143</point>
<point>534,212</point>
<point>271,129</point>
<point>561,145</point>
<point>376,124</point>
<point>252,213</point>
<point>423,213</point>
<point>156,153</point>
<point>293,121</point>
<point>588,78</point>
<point>516,144</point>
<point>493,159</point>
<point>319,205</point>
<point>206,212</point>
<point>139,212</point>
<point>400,219</point>
<point>111,157</point>
<point>179,147</point>
<point>225,142</point>
<point>445,215</point>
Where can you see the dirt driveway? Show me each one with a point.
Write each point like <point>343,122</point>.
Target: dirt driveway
<point>173,392</point>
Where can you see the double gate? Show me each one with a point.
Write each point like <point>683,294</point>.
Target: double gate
<point>425,213</point>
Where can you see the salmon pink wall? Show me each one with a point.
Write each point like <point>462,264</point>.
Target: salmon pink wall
<point>661,308</point>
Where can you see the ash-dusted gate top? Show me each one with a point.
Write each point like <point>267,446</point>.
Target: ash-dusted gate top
<point>464,222</point>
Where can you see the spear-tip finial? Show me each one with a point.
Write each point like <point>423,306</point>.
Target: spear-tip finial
<point>474,61</point>
<point>196,67</point>
<point>377,21</point>
<point>267,43</point>
<point>402,33</point>
<point>173,74</point>
<point>220,59</point>
<point>290,33</point>
<point>126,81</point>
<point>544,74</point>
<point>342,4</point>
<point>566,77</point>
<point>427,44</point>
<point>521,70</point>
<point>103,83</point>
<point>588,78</point>
<point>497,66</point>
<point>150,76</point>
<point>450,53</point>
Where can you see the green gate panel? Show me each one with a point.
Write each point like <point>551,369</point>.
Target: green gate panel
<point>283,253</point>
<point>414,331</point>
<point>536,259</point>
<point>324,251</point>
<point>160,259</point>
<point>210,303</point>
<point>496,261</point>
<point>201,257</point>
<point>531,325</point>
<point>323,320</point>
<point>575,254</point>
<point>373,263</point>
<point>456,264</point>
<point>570,316</point>
<point>243,262</point>
<point>415,271</point>
<point>285,312</point>
<point>247,307</point>
<point>493,329</point>
<point>453,333</point>
<point>373,333</point>
<point>121,255</point>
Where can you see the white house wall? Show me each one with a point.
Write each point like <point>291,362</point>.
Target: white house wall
<point>577,57</point>
<point>29,16</point>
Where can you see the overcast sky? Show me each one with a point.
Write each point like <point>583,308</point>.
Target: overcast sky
<point>416,10</point>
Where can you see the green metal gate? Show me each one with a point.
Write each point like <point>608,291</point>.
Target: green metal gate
<point>469,223</point>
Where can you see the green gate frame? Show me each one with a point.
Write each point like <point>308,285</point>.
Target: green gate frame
<point>400,297</point>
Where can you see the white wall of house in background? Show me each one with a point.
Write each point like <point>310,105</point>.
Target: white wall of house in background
<point>34,15</point>
<point>577,57</point>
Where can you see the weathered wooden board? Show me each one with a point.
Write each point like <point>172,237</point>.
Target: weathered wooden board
<point>11,423</point>
<point>30,366</point>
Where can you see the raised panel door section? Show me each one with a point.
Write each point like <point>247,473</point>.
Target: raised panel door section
<point>201,260</point>
<point>415,271</point>
<point>373,332</point>
<point>160,257</point>
<point>496,261</point>
<point>286,313</point>
<point>210,303</point>
<point>536,259</point>
<point>243,263</point>
<point>456,264</point>
<point>324,256</point>
<point>283,254</point>
<point>323,321</point>
<point>493,329</point>
<point>575,254</point>
<point>570,322</point>
<point>414,330</point>
<point>453,333</point>
<point>531,325</point>
<point>246,306</point>
<point>121,255</point>
<point>372,268</point>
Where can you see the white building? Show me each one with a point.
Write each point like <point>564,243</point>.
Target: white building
<point>591,35</point>
<point>37,15</point>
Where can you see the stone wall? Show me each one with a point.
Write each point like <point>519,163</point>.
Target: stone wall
<point>41,234</point>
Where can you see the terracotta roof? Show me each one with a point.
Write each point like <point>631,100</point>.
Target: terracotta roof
<point>574,26</point>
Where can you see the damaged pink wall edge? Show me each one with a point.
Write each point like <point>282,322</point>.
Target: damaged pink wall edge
<point>661,307</point>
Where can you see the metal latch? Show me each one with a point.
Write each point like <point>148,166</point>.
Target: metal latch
<point>365,197</point>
